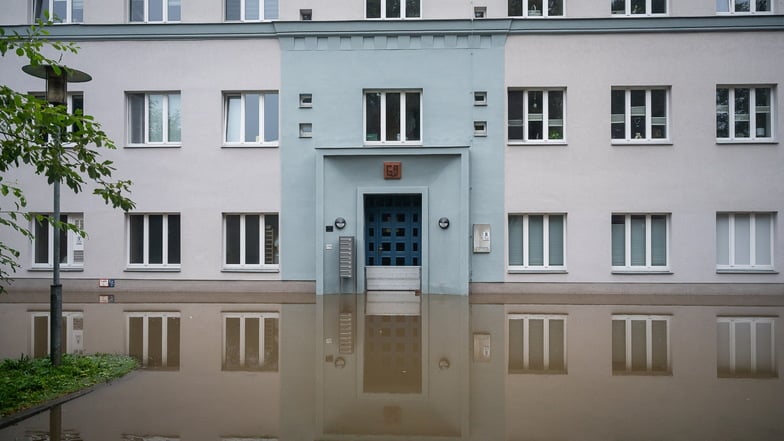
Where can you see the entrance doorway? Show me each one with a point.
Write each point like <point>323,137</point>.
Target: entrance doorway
<point>393,229</point>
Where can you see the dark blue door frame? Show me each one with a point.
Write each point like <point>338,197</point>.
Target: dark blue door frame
<point>393,229</point>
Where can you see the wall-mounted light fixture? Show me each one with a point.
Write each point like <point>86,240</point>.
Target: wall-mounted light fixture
<point>340,362</point>
<point>443,364</point>
<point>340,223</point>
<point>443,223</point>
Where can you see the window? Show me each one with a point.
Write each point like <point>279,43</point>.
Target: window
<point>536,8</point>
<point>744,241</point>
<point>640,344</point>
<point>155,11</point>
<point>745,347</point>
<point>640,242</point>
<point>71,243</point>
<point>251,118</point>
<point>537,343</point>
<point>639,115</point>
<point>251,10</point>
<point>638,7</point>
<point>480,128</point>
<point>393,117</point>
<point>536,115</point>
<point>250,341</point>
<point>743,6</point>
<point>74,104</point>
<point>537,242</point>
<point>71,333</point>
<point>154,339</point>
<point>480,98</point>
<point>250,241</point>
<point>154,118</point>
<point>744,113</point>
<point>154,241</point>
<point>59,11</point>
<point>392,9</point>
<point>480,11</point>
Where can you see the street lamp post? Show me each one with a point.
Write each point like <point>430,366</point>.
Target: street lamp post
<point>56,94</point>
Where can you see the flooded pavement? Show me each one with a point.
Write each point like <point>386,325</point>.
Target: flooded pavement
<point>353,368</point>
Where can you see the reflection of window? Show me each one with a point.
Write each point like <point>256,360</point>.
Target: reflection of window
<point>537,343</point>
<point>536,241</point>
<point>640,344</point>
<point>536,8</point>
<point>393,117</point>
<point>154,241</point>
<point>154,118</point>
<point>59,11</point>
<point>251,241</point>
<point>71,243</point>
<point>71,333</point>
<point>744,113</point>
<point>251,10</point>
<point>743,6</point>
<point>250,341</point>
<point>154,339</point>
<point>536,115</point>
<point>251,118</point>
<point>745,347</point>
<point>392,9</point>
<point>150,11</point>
<point>638,7</point>
<point>744,241</point>
<point>640,242</point>
<point>639,114</point>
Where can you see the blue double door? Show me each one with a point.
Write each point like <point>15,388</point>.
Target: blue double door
<point>393,229</point>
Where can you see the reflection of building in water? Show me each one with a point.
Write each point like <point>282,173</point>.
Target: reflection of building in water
<point>393,354</point>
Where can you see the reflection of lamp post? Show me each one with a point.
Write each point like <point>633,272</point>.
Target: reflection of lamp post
<point>56,94</point>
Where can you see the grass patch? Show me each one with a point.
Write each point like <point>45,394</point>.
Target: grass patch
<point>27,382</point>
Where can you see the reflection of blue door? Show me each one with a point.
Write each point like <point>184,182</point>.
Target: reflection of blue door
<point>393,229</point>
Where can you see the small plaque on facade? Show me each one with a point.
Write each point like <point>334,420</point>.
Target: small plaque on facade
<point>393,170</point>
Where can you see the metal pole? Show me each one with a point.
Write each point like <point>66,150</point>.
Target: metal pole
<point>56,301</point>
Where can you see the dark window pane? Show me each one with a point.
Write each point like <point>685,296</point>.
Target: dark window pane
<point>373,9</point>
<point>393,8</point>
<point>555,7</point>
<point>155,238</point>
<point>173,342</point>
<point>618,114</point>
<point>658,6</point>
<point>638,7</point>
<point>393,117</point>
<point>155,342</point>
<point>373,117</point>
<point>412,117</point>
<point>252,244</point>
<point>659,345</point>
<point>557,356</point>
<point>536,344</point>
<point>515,111</point>
<point>174,239</point>
<point>639,346</point>
<point>722,113</point>
<point>41,232</point>
<point>252,108</point>
<point>63,240</point>
<point>232,343</point>
<point>412,8</point>
<point>136,103</point>
<point>638,113</point>
<point>618,6</point>
<point>618,346</point>
<point>271,117</point>
<point>742,105</point>
<point>618,240</point>
<point>136,245</point>
<point>535,111</point>
<point>40,336</point>
<point>252,343</point>
<point>515,8</point>
<point>136,338</point>
<point>233,10</point>
<point>233,239</point>
<point>137,10</point>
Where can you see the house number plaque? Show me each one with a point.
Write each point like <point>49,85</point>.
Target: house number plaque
<point>393,170</point>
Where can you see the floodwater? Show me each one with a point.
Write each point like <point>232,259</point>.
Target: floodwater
<point>351,368</point>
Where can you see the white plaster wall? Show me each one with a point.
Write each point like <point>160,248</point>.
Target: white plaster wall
<point>692,178</point>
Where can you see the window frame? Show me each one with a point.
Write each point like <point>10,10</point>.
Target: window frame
<point>546,120</point>
<point>648,268</point>
<point>383,8</point>
<point>69,11</point>
<point>732,321</point>
<point>146,265</point>
<point>262,266</point>
<point>227,96</point>
<point>262,9</point>
<point>146,11</point>
<point>546,318</point>
<point>166,116</point>
<point>731,115</point>
<point>383,120</point>
<point>648,9</point>
<point>546,267</point>
<point>648,319</point>
<point>752,8</point>
<point>526,11</point>
<point>146,315</point>
<point>243,316</point>
<point>74,338</point>
<point>732,267</point>
<point>648,139</point>
<point>74,242</point>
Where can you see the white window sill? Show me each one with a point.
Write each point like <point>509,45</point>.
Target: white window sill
<point>532,372</point>
<point>641,142</point>
<point>66,269</point>
<point>512,270</point>
<point>725,14</point>
<point>667,373</point>
<point>250,145</point>
<point>746,271</point>
<point>154,146</point>
<point>560,143</point>
<point>392,144</point>
<point>393,18</point>
<point>152,22</point>
<point>747,141</point>
<point>641,271</point>
<point>151,268</point>
<point>251,270</point>
<point>638,15</point>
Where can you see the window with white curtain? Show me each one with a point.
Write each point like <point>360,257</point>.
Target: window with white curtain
<point>59,11</point>
<point>744,241</point>
<point>537,343</point>
<point>640,344</point>
<point>639,115</point>
<point>251,118</point>
<point>744,113</point>
<point>537,242</point>
<point>154,11</point>
<point>251,10</point>
<point>745,347</point>
<point>536,8</point>
<point>536,115</point>
<point>744,6</point>
<point>154,118</point>
<point>640,242</point>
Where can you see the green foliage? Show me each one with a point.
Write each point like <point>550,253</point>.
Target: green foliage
<point>27,382</point>
<point>53,143</point>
